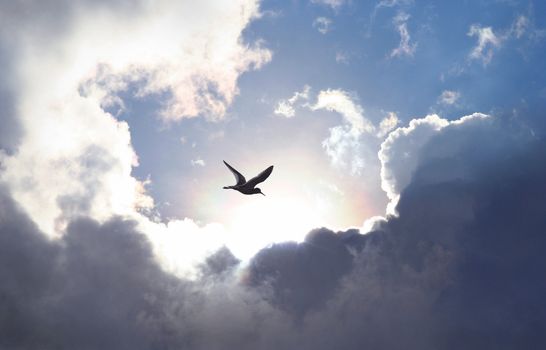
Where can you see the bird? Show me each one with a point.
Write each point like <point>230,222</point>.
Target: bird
<point>248,187</point>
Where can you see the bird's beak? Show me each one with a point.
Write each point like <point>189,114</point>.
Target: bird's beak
<point>262,193</point>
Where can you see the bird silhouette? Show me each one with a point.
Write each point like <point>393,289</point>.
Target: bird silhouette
<point>248,187</point>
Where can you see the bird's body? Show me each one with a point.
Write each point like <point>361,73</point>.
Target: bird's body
<point>248,187</point>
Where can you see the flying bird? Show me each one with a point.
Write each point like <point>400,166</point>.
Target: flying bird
<point>248,187</point>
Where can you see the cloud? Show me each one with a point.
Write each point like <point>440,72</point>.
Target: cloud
<point>449,97</point>
<point>334,4</point>
<point>520,26</point>
<point>302,276</point>
<point>286,107</point>
<point>404,47</point>
<point>488,41</point>
<point>339,101</point>
<point>322,24</point>
<point>387,124</point>
<point>198,161</point>
<point>69,61</point>
<point>466,246</point>
<point>343,146</point>
<point>352,145</point>
<point>100,286</point>
<point>385,4</point>
<point>399,152</point>
<point>439,274</point>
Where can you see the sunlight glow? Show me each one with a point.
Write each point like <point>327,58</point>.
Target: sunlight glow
<point>258,223</point>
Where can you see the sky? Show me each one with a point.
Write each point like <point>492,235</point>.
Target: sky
<point>406,208</point>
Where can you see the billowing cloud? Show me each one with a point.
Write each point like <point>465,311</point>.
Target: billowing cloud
<point>405,47</point>
<point>69,61</point>
<point>400,151</point>
<point>322,24</point>
<point>101,287</point>
<point>459,266</point>
<point>440,272</point>
<point>466,246</point>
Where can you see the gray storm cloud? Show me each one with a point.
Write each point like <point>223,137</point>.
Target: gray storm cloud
<point>461,265</point>
<point>466,246</point>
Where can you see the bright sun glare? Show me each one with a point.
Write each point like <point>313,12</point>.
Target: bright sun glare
<point>258,223</point>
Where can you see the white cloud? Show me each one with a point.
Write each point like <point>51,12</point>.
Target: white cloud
<point>399,153</point>
<point>75,158</point>
<point>198,161</point>
<point>286,107</point>
<point>322,24</point>
<point>487,42</point>
<point>387,124</point>
<point>341,102</point>
<point>343,146</point>
<point>352,145</point>
<point>335,4</point>
<point>383,4</point>
<point>449,97</point>
<point>404,47</point>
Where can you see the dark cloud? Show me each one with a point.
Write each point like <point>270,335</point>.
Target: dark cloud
<point>11,130</point>
<point>219,263</point>
<point>303,275</point>
<point>100,287</point>
<point>462,266</point>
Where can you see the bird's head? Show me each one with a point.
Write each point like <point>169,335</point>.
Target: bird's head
<point>257,190</point>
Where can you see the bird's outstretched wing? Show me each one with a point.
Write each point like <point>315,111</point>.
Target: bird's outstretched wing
<point>238,176</point>
<point>260,177</point>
